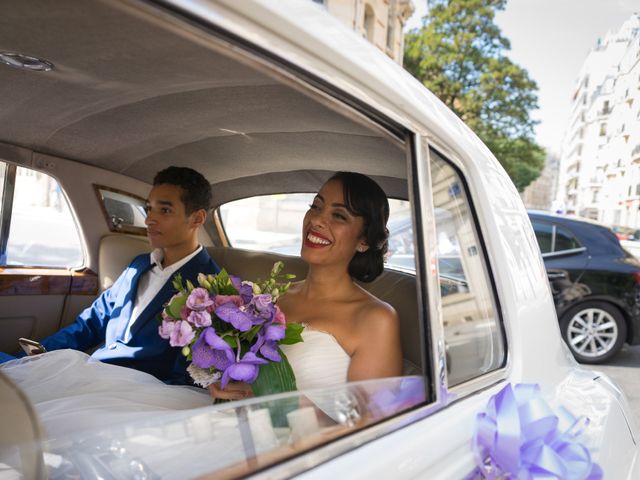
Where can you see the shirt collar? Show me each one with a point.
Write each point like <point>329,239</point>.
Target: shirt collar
<point>157,256</point>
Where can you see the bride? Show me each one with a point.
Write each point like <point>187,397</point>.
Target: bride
<point>350,335</point>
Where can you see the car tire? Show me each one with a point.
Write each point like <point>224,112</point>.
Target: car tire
<point>594,331</point>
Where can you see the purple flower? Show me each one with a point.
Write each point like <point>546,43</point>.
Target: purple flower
<point>246,370</point>
<point>199,299</point>
<point>244,289</point>
<point>200,319</point>
<point>181,334</point>
<point>236,316</point>
<point>267,340</point>
<point>212,351</point>
<point>166,328</point>
<point>274,332</point>
<point>264,306</point>
<point>269,350</point>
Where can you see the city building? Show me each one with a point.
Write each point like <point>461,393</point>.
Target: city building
<point>600,159</point>
<point>379,21</point>
<point>539,195</point>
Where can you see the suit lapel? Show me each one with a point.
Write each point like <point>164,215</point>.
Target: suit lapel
<point>188,270</point>
<point>129,299</point>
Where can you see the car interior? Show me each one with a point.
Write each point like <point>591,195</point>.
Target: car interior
<point>102,95</point>
<point>133,93</point>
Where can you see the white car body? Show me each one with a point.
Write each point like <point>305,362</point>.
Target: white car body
<point>433,440</point>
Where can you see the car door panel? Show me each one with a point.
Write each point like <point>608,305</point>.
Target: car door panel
<point>564,273</point>
<point>35,303</point>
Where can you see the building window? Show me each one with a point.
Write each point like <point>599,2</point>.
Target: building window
<point>391,31</point>
<point>603,129</point>
<point>369,22</point>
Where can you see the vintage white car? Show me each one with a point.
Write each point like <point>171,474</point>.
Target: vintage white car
<point>267,99</point>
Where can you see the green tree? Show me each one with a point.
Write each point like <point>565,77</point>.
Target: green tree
<point>459,54</point>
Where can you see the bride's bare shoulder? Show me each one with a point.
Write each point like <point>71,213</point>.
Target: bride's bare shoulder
<point>376,316</point>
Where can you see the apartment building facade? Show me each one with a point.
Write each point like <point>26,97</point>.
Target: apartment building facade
<point>379,21</point>
<point>600,159</point>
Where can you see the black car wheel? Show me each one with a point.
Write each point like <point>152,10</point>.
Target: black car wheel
<point>594,331</point>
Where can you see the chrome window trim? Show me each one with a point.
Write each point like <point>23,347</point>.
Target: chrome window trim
<point>488,379</point>
<point>431,301</point>
<point>554,230</point>
<point>560,253</point>
<point>6,205</point>
<point>567,231</point>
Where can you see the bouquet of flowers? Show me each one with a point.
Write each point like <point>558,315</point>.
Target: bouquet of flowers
<point>231,330</point>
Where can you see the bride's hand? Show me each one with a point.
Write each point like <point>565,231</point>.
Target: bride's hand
<point>233,391</point>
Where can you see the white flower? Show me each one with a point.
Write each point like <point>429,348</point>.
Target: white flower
<point>202,377</point>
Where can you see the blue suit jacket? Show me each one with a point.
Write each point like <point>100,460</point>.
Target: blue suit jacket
<point>107,318</point>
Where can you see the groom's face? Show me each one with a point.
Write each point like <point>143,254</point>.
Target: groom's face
<point>168,225</point>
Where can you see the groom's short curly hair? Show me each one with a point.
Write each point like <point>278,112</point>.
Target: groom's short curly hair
<point>196,190</point>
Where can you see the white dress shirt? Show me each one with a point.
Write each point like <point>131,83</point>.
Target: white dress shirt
<point>152,281</point>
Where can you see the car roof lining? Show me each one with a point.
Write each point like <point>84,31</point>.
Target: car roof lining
<point>132,94</point>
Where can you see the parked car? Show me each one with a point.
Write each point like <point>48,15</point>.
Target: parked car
<point>267,99</point>
<point>595,284</point>
<point>626,233</point>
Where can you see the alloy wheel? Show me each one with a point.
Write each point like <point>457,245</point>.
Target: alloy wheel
<point>592,332</point>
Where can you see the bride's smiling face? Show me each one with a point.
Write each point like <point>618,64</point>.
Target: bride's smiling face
<point>330,232</point>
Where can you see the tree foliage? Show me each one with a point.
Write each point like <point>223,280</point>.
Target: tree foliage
<point>459,54</point>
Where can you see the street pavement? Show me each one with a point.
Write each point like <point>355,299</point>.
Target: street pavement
<point>624,370</point>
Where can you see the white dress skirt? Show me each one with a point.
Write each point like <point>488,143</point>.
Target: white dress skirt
<point>91,410</point>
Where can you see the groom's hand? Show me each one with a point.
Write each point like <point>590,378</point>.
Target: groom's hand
<point>233,391</point>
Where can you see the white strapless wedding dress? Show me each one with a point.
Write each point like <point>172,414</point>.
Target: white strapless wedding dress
<point>317,362</point>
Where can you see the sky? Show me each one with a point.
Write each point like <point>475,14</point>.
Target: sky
<point>551,39</point>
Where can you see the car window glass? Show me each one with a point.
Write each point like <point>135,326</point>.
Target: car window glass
<point>273,223</point>
<point>544,235</point>
<point>123,211</point>
<point>229,440</point>
<point>565,240</point>
<point>42,231</point>
<point>472,328</point>
<point>268,223</point>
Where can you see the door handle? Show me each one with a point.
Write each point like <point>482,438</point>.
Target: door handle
<point>556,275</point>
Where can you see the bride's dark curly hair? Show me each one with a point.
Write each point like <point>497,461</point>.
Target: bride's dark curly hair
<point>364,198</point>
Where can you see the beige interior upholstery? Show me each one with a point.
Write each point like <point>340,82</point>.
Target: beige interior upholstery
<point>115,253</point>
<point>395,288</point>
<point>20,435</point>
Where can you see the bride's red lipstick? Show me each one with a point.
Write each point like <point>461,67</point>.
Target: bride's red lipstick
<point>310,244</point>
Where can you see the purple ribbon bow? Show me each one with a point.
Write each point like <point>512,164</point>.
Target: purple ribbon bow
<point>520,437</point>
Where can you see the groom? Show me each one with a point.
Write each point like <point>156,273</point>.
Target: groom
<point>123,317</point>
